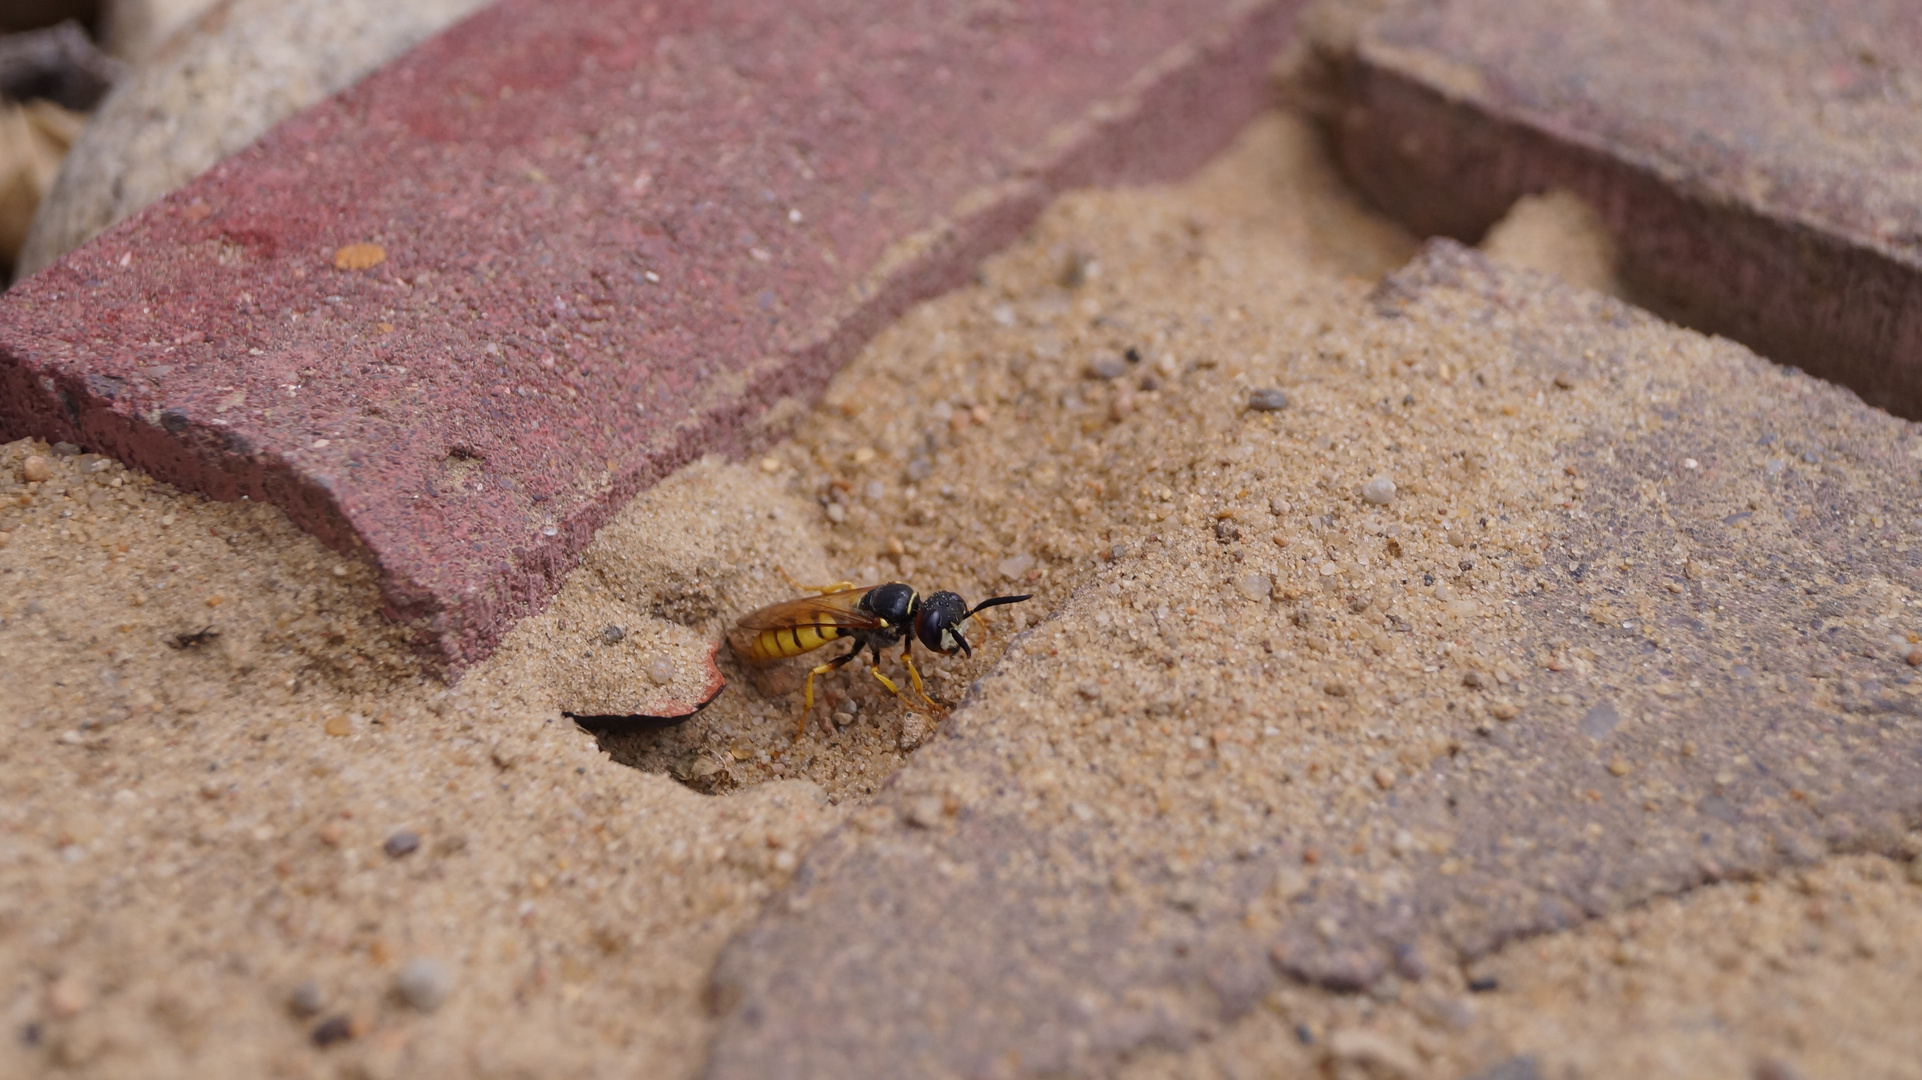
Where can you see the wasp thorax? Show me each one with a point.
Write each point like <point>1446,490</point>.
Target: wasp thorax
<point>892,603</point>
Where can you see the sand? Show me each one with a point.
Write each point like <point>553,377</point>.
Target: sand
<point>215,743</point>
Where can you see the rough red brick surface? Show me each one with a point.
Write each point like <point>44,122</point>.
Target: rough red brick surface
<point>616,235</point>
<point>1755,161</point>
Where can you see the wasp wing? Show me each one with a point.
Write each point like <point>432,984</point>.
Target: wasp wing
<point>840,609</point>
<point>834,611</point>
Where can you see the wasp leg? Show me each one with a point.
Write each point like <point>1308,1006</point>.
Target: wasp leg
<point>807,705</point>
<point>907,661</point>
<point>824,590</point>
<point>875,670</point>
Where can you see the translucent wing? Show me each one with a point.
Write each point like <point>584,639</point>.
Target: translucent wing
<point>840,609</point>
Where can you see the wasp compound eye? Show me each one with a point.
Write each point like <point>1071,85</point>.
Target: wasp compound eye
<point>938,624</point>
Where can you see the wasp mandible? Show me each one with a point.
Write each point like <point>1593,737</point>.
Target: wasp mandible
<point>875,616</point>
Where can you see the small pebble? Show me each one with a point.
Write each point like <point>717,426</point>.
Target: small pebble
<point>837,513</point>
<point>1108,367</point>
<point>920,469</point>
<point>1503,710</point>
<point>404,842</point>
<point>1619,767</point>
<point>925,812</point>
<point>1484,984</point>
<point>1472,680</point>
<point>1227,531</point>
<point>1915,871</point>
<point>660,670</point>
<point>1380,491</point>
<point>1385,778</point>
<point>1255,586</point>
<point>1915,657</point>
<point>67,997</point>
<point>339,726</point>
<point>1267,400</point>
<point>1014,566</point>
<point>424,983</point>
<point>307,1000</point>
<point>613,635</point>
<point>332,1030</point>
<point>770,464</point>
<point>35,469</point>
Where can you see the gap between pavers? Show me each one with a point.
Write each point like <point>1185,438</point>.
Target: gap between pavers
<point>600,239</point>
<point>1754,162</point>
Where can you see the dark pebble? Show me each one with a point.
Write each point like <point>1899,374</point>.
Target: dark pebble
<point>1267,400</point>
<point>1484,984</point>
<point>613,635</point>
<point>1133,354</point>
<point>32,1034</point>
<point>404,842</point>
<point>306,1000</point>
<point>332,1030</point>
<point>1409,963</point>
<point>1226,531</point>
<point>1303,1035</point>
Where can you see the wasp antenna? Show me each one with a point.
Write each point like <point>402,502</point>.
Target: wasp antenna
<point>997,601</point>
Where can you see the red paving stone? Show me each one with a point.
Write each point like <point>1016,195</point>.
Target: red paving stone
<point>615,235</point>
<point>1755,161</point>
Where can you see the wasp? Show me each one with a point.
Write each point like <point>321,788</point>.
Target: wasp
<point>875,616</point>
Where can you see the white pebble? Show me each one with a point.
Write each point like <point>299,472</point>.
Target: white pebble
<point>661,670</point>
<point>1380,491</point>
<point>1014,566</point>
<point>837,513</point>
<point>1255,586</point>
<point>424,984</point>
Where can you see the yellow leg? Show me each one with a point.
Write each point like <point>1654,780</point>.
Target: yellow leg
<point>824,590</point>
<point>907,661</point>
<point>875,670</point>
<point>807,695</point>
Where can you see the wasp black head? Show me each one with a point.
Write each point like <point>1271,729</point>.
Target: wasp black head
<point>893,603</point>
<point>938,623</point>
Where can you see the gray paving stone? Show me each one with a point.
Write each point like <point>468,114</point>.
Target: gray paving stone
<point>1689,668</point>
<point>1756,162</point>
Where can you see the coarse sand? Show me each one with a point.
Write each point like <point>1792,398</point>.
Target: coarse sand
<point>241,835</point>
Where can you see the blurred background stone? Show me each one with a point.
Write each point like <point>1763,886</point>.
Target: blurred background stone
<point>19,15</point>
<point>133,29</point>
<point>49,76</point>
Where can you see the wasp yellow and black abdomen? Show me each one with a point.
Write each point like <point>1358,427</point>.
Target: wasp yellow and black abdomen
<point>771,646</point>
